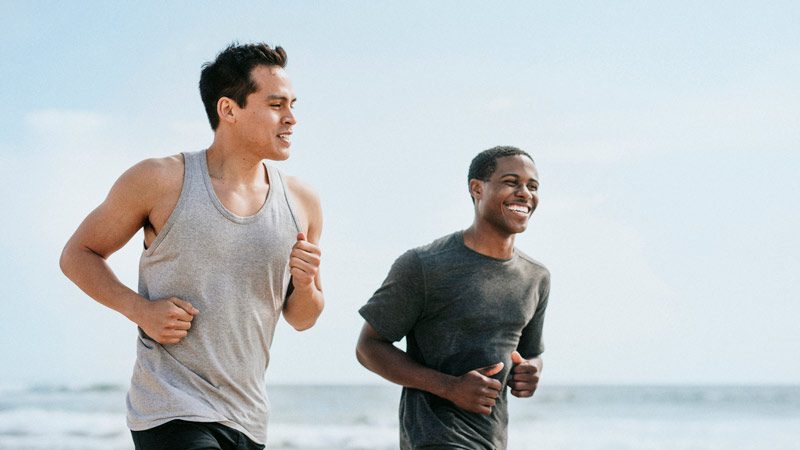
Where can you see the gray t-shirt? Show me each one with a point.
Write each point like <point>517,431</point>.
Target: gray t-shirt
<point>459,311</point>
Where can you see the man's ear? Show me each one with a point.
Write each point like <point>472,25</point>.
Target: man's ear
<point>475,188</point>
<point>226,109</point>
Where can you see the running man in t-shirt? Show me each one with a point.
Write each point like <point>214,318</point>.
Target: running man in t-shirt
<point>471,307</point>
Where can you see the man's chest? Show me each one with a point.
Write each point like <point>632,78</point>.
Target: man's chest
<point>475,298</point>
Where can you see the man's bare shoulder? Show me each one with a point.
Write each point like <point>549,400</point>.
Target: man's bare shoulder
<point>310,214</point>
<point>168,169</point>
<point>303,192</point>
<point>154,176</point>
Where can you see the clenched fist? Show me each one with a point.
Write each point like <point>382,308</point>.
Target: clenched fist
<point>524,376</point>
<point>475,391</point>
<point>166,321</point>
<point>304,262</point>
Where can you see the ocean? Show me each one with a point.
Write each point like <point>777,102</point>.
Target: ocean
<point>365,418</point>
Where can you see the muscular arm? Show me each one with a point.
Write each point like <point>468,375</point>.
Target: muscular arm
<point>474,391</point>
<point>125,210</point>
<point>305,302</point>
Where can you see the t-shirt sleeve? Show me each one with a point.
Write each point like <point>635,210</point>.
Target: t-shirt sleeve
<point>397,304</point>
<point>530,343</point>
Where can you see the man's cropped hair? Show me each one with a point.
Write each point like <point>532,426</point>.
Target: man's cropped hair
<point>483,165</point>
<point>229,75</point>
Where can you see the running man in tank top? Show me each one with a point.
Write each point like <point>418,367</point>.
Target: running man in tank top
<point>471,307</point>
<point>231,244</point>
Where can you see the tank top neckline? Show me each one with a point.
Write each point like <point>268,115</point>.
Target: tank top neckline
<point>273,183</point>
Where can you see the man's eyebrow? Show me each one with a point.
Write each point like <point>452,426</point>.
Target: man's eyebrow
<point>515,175</point>
<point>281,97</point>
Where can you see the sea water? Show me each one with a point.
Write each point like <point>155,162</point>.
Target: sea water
<point>365,417</point>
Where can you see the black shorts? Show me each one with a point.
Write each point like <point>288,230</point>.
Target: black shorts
<point>183,435</point>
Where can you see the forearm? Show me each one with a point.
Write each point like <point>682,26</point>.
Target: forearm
<point>395,365</point>
<point>91,273</point>
<point>303,307</point>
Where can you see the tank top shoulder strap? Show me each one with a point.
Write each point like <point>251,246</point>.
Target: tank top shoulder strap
<point>192,165</point>
<point>281,191</point>
<point>190,176</point>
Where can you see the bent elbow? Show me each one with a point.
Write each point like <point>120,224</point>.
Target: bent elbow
<point>360,357</point>
<point>304,325</point>
<point>301,322</point>
<point>64,261</point>
<point>362,354</point>
<point>301,319</point>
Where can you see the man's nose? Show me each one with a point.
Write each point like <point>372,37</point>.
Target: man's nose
<point>290,118</point>
<point>524,192</point>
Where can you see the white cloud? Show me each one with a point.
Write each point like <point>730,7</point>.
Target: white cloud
<point>502,104</point>
<point>584,132</point>
<point>561,204</point>
<point>57,120</point>
<point>54,128</point>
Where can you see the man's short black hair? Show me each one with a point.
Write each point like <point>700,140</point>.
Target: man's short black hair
<point>229,75</point>
<point>482,166</point>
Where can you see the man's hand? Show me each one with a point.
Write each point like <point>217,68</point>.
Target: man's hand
<point>475,391</point>
<point>166,321</point>
<point>524,376</point>
<point>304,262</point>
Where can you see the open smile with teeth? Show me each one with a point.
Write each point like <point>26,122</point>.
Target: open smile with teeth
<point>522,210</point>
<point>286,137</point>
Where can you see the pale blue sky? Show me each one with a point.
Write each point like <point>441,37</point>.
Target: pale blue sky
<point>666,135</point>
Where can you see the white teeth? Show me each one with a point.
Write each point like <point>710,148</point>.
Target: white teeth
<point>519,209</point>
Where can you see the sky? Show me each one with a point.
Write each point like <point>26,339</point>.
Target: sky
<point>665,134</point>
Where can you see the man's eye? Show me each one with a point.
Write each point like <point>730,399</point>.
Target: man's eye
<point>533,188</point>
<point>511,183</point>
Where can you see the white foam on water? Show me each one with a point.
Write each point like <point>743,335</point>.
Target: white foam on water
<point>654,434</point>
<point>64,443</point>
<point>353,418</point>
<point>40,429</point>
<point>332,437</point>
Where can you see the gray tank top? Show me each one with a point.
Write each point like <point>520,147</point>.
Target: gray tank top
<point>235,271</point>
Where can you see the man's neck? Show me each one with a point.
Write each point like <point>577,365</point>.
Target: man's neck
<point>230,164</point>
<point>489,242</point>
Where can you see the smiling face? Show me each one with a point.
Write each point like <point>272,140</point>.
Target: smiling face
<point>264,125</point>
<point>507,199</point>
